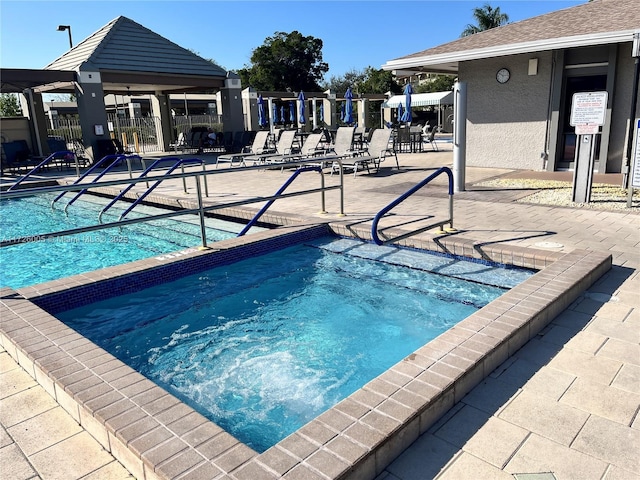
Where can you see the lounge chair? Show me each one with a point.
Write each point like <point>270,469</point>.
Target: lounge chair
<point>375,153</point>
<point>343,144</point>
<point>258,146</point>
<point>17,155</point>
<point>283,147</point>
<point>309,149</point>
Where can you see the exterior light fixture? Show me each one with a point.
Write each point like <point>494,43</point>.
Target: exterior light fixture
<point>62,28</point>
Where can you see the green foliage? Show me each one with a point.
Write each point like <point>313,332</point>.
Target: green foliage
<point>9,105</point>
<point>370,80</point>
<point>286,61</point>
<point>487,18</point>
<point>378,81</point>
<point>442,83</point>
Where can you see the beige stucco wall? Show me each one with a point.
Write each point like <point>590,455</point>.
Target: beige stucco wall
<point>506,123</point>
<point>15,128</point>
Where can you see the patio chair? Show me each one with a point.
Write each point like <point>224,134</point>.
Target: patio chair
<point>376,152</point>
<point>283,147</point>
<point>16,156</point>
<point>258,146</point>
<point>431,139</point>
<point>309,149</point>
<point>343,143</point>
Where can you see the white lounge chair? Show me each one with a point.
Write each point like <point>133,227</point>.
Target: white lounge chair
<point>258,146</point>
<point>378,149</point>
<point>283,147</point>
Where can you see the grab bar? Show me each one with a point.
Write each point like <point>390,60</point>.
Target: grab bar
<point>152,187</point>
<point>403,197</point>
<point>313,168</point>
<point>115,159</point>
<point>176,160</point>
<point>53,156</point>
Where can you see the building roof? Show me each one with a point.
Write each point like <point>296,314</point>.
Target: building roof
<point>126,47</point>
<point>593,23</point>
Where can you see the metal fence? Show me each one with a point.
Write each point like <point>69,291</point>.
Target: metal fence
<point>184,123</point>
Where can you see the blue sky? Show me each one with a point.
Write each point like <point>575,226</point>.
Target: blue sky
<point>356,34</point>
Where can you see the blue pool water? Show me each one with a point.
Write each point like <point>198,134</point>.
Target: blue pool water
<point>265,345</point>
<point>43,260</point>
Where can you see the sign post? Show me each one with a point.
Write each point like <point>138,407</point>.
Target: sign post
<point>635,166</point>
<point>588,111</point>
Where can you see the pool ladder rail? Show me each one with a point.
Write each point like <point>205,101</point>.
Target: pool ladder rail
<point>110,161</point>
<point>376,220</point>
<point>177,162</point>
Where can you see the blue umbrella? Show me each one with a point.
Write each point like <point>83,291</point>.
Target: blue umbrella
<point>301,119</point>
<point>292,112</point>
<point>262,119</point>
<point>342,112</point>
<point>282,113</point>
<point>274,113</point>
<point>406,116</point>
<point>400,112</point>
<point>348,109</point>
<point>322,112</point>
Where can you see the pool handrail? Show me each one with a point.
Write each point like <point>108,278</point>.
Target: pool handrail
<point>129,187</point>
<point>403,197</point>
<point>43,163</point>
<point>115,159</point>
<point>201,210</point>
<point>179,163</point>
<point>298,171</point>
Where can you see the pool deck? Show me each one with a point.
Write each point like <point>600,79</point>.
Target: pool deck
<point>567,403</point>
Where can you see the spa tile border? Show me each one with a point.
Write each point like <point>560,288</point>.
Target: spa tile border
<point>155,436</point>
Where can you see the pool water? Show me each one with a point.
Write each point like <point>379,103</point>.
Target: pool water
<point>265,345</point>
<point>43,260</point>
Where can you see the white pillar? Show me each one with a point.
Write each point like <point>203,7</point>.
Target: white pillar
<point>314,119</point>
<point>459,135</point>
<point>270,107</point>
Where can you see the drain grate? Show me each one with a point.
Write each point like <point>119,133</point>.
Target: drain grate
<point>535,476</point>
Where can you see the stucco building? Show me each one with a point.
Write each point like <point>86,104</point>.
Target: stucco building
<point>520,79</point>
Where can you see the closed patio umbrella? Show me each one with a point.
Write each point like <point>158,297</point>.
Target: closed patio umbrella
<point>400,112</point>
<point>292,112</point>
<point>274,113</point>
<point>322,113</point>
<point>348,108</point>
<point>262,118</point>
<point>301,118</point>
<point>406,116</point>
<point>282,117</point>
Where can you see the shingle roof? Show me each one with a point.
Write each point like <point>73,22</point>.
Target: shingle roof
<point>126,46</point>
<point>585,20</point>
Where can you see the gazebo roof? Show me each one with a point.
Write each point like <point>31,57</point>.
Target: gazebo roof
<point>132,58</point>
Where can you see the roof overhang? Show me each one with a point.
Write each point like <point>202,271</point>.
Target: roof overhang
<point>421,99</point>
<point>17,80</point>
<point>448,62</point>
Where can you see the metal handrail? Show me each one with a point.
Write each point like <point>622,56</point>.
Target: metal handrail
<point>179,163</point>
<point>284,186</point>
<point>114,159</point>
<point>53,156</point>
<point>176,161</point>
<point>403,197</point>
<point>201,210</point>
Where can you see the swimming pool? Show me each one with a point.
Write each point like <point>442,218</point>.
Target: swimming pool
<point>266,344</point>
<point>43,260</point>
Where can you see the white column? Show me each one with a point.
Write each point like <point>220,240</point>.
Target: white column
<point>459,135</point>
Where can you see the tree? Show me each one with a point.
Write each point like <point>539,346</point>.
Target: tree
<point>286,61</point>
<point>379,81</point>
<point>442,83</point>
<point>369,80</point>
<point>487,18</point>
<point>9,105</point>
